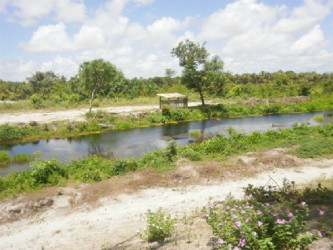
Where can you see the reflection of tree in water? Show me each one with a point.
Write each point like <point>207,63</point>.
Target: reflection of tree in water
<point>97,150</point>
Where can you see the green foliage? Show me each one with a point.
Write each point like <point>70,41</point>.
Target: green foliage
<point>4,159</point>
<point>316,147</point>
<point>318,118</point>
<point>166,110</point>
<point>98,76</point>
<point>48,172</point>
<point>160,226</point>
<point>37,101</point>
<point>121,167</point>
<point>90,169</point>
<point>157,160</point>
<point>171,151</point>
<point>199,71</point>
<point>191,154</point>
<point>264,220</point>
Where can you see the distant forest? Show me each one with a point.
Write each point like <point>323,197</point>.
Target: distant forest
<point>49,86</point>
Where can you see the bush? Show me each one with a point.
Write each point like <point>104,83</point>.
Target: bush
<point>160,226</point>
<point>121,167</point>
<point>171,151</point>
<point>253,224</point>
<point>4,159</point>
<point>37,101</point>
<point>47,172</point>
<point>192,155</point>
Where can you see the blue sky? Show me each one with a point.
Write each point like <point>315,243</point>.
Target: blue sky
<point>138,35</point>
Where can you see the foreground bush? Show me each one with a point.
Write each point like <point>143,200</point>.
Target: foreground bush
<point>266,219</point>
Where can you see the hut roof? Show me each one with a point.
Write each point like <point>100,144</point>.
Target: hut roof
<point>171,95</point>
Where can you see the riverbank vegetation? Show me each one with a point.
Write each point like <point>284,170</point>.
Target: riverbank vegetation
<point>96,168</point>
<point>100,121</point>
<point>6,160</point>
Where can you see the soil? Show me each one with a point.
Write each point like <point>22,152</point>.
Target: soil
<point>71,115</point>
<point>109,214</point>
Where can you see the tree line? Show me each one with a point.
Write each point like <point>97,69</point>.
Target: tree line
<point>201,72</point>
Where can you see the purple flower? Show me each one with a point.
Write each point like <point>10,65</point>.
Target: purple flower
<point>290,214</point>
<point>243,212</point>
<point>242,242</point>
<point>234,217</point>
<point>303,203</point>
<point>220,241</point>
<point>319,233</point>
<point>259,223</point>
<point>254,233</point>
<point>280,221</point>
<point>321,212</point>
<point>259,212</point>
<point>205,215</point>
<point>238,224</point>
<point>274,214</point>
<point>236,248</point>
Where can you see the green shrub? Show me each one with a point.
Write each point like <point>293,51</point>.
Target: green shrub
<point>192,155</point>
<point>171,151</point>
<point>121,167</point>
<point>90,169</point>
<point>160,226</point>
<point>157,118</point>
<point>315,148</point>
<point>166,110</point>
<point>46,172</point>
<point>37,101</point>
<point>318,118</point>
<point>254,224</point>
<point>4,159</point>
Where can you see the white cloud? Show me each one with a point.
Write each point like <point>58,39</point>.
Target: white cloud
<point>70,11</point>
<point>238,17</point>
<point>89,37</point>
<point>143,2</point>
<point>304,17</point>
<point>3,4</point>
<point>16,69</point>
<point>49,38</point>
<point>311,40</point>
<point>28,12</point>
<point>61,66</point>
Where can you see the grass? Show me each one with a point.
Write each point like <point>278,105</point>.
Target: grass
<point>6,160</point>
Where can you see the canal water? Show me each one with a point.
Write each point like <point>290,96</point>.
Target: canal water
<point>135,142</point>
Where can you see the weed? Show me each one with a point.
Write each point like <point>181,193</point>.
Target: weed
<point>160,226</point>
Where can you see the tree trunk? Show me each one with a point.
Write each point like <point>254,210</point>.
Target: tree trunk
<point>201,96</point>
<point>92,99</point>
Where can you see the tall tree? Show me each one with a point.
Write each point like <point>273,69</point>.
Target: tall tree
<point>43,82</point>
<point>96,75</point>
<point>199,71</point>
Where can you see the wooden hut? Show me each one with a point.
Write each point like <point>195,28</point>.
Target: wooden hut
<point>174,100</point>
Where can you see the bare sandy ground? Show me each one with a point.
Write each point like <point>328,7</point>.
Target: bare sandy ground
<point>69,115</point>
<point>114,218</point>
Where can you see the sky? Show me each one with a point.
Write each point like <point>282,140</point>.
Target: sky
<point>137,36</point>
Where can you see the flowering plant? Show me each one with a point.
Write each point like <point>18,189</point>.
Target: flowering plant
<point>252,224</point>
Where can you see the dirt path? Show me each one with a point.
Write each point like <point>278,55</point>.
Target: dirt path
<point>111,213</point>
<point>69,115</point>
